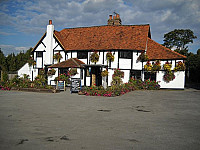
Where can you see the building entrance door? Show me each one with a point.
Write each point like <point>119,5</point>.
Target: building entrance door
<point>96,76</point>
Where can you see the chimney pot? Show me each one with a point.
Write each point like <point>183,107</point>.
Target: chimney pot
<point>110,17</point>
<point>117,15</point>
<point>50,22</point>
<point>114,17</point>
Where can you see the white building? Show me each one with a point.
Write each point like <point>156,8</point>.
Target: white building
<point>126,42</point>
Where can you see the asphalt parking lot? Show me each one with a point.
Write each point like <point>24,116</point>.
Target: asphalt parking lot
<point>139,120</point>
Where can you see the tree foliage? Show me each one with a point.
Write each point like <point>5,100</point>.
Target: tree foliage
<point>12,62</point>
<point>178,39</point>
<point>193,66</point>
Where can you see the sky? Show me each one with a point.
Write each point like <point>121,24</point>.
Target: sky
<point>23,22</point>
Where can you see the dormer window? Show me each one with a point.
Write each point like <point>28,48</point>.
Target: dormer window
<point>39,54</point>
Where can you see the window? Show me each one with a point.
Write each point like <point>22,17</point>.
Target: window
<point>39,54</point>
<point>125,54</point>
<point>63,70</point>
<point>151,76</point>
<point>136,74</point>
<point>82,55</point>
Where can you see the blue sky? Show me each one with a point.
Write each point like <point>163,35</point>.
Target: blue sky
<point>23,22</point>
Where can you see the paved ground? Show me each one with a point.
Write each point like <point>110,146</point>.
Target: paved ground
<point>140,120</point>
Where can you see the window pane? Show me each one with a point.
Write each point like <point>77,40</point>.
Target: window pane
<point>151,76</point>
<point>82,55</point>
<point>125,54</point>
<point>39,54</point>
<point>136,74</point>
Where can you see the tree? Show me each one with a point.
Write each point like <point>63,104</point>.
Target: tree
<point>198,51</point>
<point>193,65</point>
<point>178,39</point>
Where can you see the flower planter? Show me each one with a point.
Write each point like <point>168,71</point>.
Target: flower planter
<point>37,90</point>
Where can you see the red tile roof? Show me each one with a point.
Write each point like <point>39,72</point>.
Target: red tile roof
<point>70,63</point>
<point>126,37</point>
<point>157,51</point>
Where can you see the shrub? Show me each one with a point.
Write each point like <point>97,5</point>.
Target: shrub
<point>117,90</point>
<point>31,61</point>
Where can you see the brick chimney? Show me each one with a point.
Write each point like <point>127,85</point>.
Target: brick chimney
<point>110,20</point>
<point>50,22</point>
<point>115,20</point>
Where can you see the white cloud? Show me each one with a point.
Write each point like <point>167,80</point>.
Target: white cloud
<point>163,16</point>
<point>8,49</point>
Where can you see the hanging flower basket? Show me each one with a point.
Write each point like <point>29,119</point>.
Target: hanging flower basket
<point>31,62</point>
<point>118,73</point>
<point>72,72</point>
<point>168,76</point>
<point>167,66</point>
<point>156,66</point>
<point>51,72</point>
<point>148,66</point>
<point>180,66</point>
<point>104,73</point>
<point>41,72</point>
<point>143,57</point>
<point>62,77</point>
<point>110,57</point>
<point>57,56</point>
<point>117,77</point>
<point>94,57</point>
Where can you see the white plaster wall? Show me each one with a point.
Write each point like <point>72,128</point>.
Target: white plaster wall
<point>104,61</point>
<point>62,59</point>
<point>177,83</point>
<point>58,47</point>
<point>74,54</point>
<point>27,70</point>
<point>124,63</point>
<point>100,57</point>
<point>136,64</point>
<point>40,48</point>
<point>39,62</point>
<point>52,77</point>
<point>63,56</point>
<point>126,76</point>
<point>111,72</point>
<point>49,45</point>
<point>114,64</point>
<point>87,81</point>
<point>83,60</point>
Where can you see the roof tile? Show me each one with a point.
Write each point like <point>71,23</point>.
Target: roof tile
<point>129,37</point>
<point>70,63</point>
<point>157,51</point>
